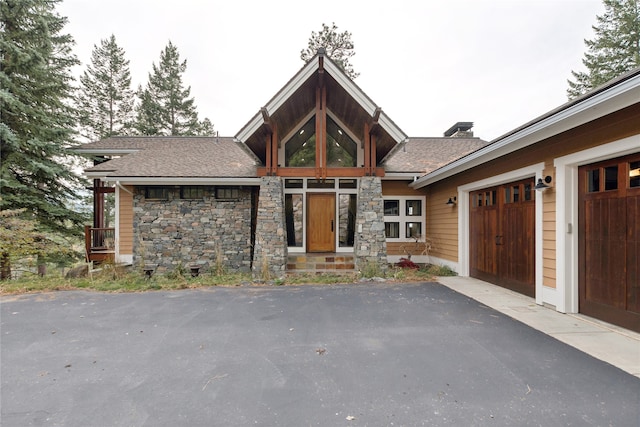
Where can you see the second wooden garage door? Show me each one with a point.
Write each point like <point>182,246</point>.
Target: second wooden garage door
<point>609,239</point>
<point>502,235</point>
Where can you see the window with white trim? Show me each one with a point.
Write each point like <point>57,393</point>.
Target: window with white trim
<point>404,218</point>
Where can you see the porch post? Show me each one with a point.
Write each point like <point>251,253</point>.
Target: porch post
<point>98,204</point>
<point>98,213</point>
<point>270,247</point>
<point>370,245</point>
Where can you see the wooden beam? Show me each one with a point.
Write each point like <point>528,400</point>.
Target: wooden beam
<point>311,173</point>
<point>318,132</point>
<point>268,161</point>
<point>373,163</point>
<point>376,115</point>
<point>274,150</point>
<point>374,120</point>
<point>105,190</point>
<point>98,204</point>
<point>367,149</point>
<point>323,141</point>
<point>267,119</point>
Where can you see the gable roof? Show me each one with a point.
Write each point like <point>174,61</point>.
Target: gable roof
<point>171,157</point>
<point>297,99</point>
<point>420,156</point>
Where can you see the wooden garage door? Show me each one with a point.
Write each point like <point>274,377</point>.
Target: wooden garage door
<point>609,241</point>
<point>502,235</point>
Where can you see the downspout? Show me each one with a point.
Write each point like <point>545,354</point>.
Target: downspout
<point>123,188</point>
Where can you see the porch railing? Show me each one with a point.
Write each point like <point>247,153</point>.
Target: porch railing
<point>99,243</point>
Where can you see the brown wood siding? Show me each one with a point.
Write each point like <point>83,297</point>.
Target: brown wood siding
<point>613,127</point>
<point>442,222</point>
<point>406,248</point>
<point>125,236</point>
<point>399,188</point>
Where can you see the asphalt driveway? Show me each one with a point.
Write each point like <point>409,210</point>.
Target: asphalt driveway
<point>352,355</point>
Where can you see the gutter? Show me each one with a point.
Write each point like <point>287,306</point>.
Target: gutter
<point>146,180</point>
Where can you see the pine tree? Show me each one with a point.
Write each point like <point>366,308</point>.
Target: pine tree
<point>106,100</point>
<point>165,107</point>
<point>37,120</point>
<point>338,47</point>
<point>205,128</point>
<point>614,50</point>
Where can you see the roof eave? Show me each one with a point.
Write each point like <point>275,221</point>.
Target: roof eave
<point>279,99</point>
<point>364,101</point>
<point>341,78</point>
<point>592,106</point>
<point>105,151</point>
<point>401,176</point>
<point>151,180</point>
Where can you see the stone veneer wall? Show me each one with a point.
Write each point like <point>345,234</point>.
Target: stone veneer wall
<point>270,250</point>
<point>181,232</point>
<point>370,246</point>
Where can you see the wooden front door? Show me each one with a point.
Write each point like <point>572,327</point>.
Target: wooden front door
<point>502,236</point>
<point>609,241</point>
<point>321,222</point>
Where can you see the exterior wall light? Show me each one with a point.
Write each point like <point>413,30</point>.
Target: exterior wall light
<point>541,186</point>
<point>452,201</point>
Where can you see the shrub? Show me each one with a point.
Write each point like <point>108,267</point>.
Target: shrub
<point>407,263</point>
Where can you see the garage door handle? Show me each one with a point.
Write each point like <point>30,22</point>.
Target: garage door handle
<point>332,226</point>
<point>499,240</point>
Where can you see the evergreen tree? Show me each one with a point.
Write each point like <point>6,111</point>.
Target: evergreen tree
<point>205,128</point>
<point>165,107</point>
<point>338,47</point>
<point>106,101</point>
<point>37,120</point>
<point>615,49</point>
<point>20,238</point>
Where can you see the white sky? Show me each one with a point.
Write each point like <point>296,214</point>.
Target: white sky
<point>427,64</point>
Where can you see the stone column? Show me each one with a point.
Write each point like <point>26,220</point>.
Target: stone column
<point>270,247</point>
<point>370,245</point>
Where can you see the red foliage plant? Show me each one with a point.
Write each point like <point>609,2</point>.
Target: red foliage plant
<point>407,263</point>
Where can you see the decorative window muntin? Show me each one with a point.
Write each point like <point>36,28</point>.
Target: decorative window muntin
<point>634,174</point>
<point>192,192</point>
<point>404,218</point>
<point>156,193</point>
<point>227,193</point>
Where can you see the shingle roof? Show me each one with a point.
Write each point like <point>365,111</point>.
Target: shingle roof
<point>183,157</point>
<point>424,155</point>
<point>223,157</point>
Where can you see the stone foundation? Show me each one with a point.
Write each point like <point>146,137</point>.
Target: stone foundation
<point>176,233</point>
<point>270,250</point>
<point>370,246</point>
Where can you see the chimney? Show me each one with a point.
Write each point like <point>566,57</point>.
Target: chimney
<point>460,130</point>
